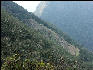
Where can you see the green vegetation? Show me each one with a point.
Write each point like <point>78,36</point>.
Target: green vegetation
<point>23,14</point>
<point>24,48</point>
<point>17,38</point>
<point>16,63</point>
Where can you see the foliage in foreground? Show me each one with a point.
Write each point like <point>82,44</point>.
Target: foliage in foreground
<point>16,63</point>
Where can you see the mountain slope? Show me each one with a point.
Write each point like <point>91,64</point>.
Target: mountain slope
<point>72,17</point>
<point>17,38</point>
<point>45,30</point>
<point>36,39</point>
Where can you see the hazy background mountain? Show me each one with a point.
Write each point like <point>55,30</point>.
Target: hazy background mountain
<point>72,17</point>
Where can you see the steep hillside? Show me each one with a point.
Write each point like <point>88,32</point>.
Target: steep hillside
<point>72,17</point>
<point>17,38</point>
<point>35,22</point>
<point>35,39</point>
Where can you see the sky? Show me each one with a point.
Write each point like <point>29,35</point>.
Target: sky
<point>29,5</point>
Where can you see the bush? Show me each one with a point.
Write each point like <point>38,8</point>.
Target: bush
<point>15,62</point>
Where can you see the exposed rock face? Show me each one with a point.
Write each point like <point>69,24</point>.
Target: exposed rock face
<point>73,17</point>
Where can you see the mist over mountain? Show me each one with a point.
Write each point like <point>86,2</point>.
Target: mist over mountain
<point>75,18</point>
